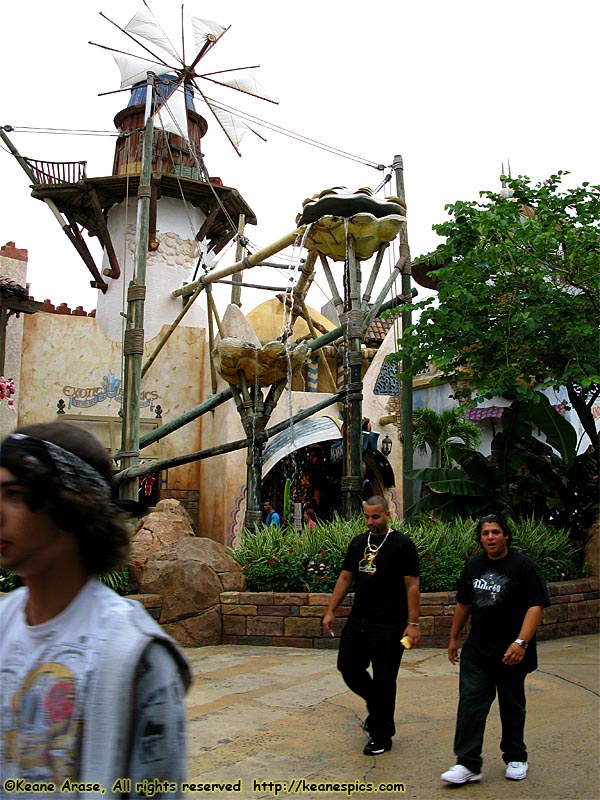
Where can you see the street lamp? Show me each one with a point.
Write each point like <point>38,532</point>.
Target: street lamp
<point>386,446</point>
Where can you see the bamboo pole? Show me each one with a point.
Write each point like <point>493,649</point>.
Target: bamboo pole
<point>177,461</point>
<point>406,384</point>
<point>215,313</point>
<point>226,394</point>
<point>374,273</point>
<point>133,344</point>
<point>236,290</point>
<point>170,330</point>
<point>249,261</point>
<point>320,354</point>
<point>211,344</point>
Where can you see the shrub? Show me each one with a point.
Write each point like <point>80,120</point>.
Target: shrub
<point>279,559</point>
<point>118,580</point>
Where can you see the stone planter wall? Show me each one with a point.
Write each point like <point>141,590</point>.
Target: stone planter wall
<point>278,619</point>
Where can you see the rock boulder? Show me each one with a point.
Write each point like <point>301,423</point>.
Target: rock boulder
<point>168,522</point>
<point>190,575</point>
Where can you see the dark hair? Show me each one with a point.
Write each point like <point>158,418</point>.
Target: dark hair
<point>493,518</point>
<point>87,513</point>
<point>377,500</point>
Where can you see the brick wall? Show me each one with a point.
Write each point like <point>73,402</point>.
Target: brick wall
<point>294,620</point>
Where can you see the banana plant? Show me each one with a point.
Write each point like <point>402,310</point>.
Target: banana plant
<point>524,475</point>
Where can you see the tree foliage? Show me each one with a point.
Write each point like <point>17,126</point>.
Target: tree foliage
<point>524,476</point>
<point>437,431</point>
<point>518,299</point>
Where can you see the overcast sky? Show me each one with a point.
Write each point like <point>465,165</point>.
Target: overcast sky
<point>455,88</point>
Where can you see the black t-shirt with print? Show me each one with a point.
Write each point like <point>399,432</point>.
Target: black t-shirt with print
<point>500,591</point>
<point>380,596</point>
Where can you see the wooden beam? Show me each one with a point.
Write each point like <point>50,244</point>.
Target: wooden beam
<point>115,268</point>
<point>75,237</point>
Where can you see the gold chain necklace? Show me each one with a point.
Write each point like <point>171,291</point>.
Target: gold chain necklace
<point>366,564</point>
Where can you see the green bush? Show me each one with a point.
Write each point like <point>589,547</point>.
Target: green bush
<point>279,559</point>
<point>8,581</point>
<point>118,580</point>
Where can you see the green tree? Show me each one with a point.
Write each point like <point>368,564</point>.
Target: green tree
<point>437,431</point>
<point>518,296</point>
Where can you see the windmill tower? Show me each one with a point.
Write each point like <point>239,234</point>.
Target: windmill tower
<point>192,216</point>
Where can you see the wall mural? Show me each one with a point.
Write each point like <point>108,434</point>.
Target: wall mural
<point>110,389</point>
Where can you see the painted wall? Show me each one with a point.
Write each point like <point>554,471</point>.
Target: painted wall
<point>69,358</point>
<point>167,268</point>
<point>15,269</point>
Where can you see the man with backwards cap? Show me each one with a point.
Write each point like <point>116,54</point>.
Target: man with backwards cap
<point>91,688</point>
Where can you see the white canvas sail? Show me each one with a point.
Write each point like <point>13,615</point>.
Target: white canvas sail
<point>203,27</point>
<point>246,83</point>
<point>144,25</point>
<point>134,70</point>
<point>171,116</point>
<point>232,126</point>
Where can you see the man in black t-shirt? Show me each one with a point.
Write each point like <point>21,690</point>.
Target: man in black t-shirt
<point>383,566</point>
<point>504,594</point>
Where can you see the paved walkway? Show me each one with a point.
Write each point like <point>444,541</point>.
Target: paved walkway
<point>261,717</point>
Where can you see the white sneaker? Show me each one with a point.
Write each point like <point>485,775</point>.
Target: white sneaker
<point>460,774</point>
<point>516,770</point>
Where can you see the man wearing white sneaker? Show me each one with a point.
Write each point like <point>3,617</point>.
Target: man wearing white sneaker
<point>504,594</point>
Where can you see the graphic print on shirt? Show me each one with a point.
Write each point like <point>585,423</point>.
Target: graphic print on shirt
<point>45,736</point>
<point>489,588</point>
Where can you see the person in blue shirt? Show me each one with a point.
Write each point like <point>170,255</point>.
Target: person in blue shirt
<point>271,516</point>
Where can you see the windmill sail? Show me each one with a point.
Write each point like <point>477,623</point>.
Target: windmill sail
<point>165,58</point>
<point>171,115</point>
<point>203,27</point>
<point>144,25</point>
<point>134,69</point>
<point>244,83</point>
<point>232,126</point>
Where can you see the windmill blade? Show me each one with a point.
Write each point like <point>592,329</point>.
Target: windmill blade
<point>203,27</point>
<point>133,69</point>
<point>144,25</point>
<point>231,125</point>
<point>246,84</point>
<point>171,115</point>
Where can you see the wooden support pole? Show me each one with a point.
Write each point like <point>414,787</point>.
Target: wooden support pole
<point>407,383</point>
<point>133,343</point>
<point>374,273</point>
<point>170,330</point>
<point>335,295</point>
<point>353,328</point>
<point>249,261</point>
<point>236,290</point>
<point>211,345</point>
<point>177,461</point>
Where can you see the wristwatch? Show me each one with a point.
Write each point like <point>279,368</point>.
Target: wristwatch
<point>522,643</point>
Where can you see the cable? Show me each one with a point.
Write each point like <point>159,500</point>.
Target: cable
<point>64,131</point>
<point>298,136</point>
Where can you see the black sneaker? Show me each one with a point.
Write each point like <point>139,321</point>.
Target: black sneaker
<point>375,748</point>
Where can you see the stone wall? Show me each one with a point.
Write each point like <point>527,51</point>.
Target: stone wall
<point>294,620</point>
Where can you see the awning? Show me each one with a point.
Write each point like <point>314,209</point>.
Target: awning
<point>301,434</point>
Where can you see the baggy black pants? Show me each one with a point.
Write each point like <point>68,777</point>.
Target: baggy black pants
<point>478,687</point>
<point>360,646</point>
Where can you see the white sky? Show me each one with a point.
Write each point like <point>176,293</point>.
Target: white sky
<point>455,88</point>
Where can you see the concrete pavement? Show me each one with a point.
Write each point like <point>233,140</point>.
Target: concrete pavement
<point>280,722</point>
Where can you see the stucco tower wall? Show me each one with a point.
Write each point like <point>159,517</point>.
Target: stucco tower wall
<point>167,268</point>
